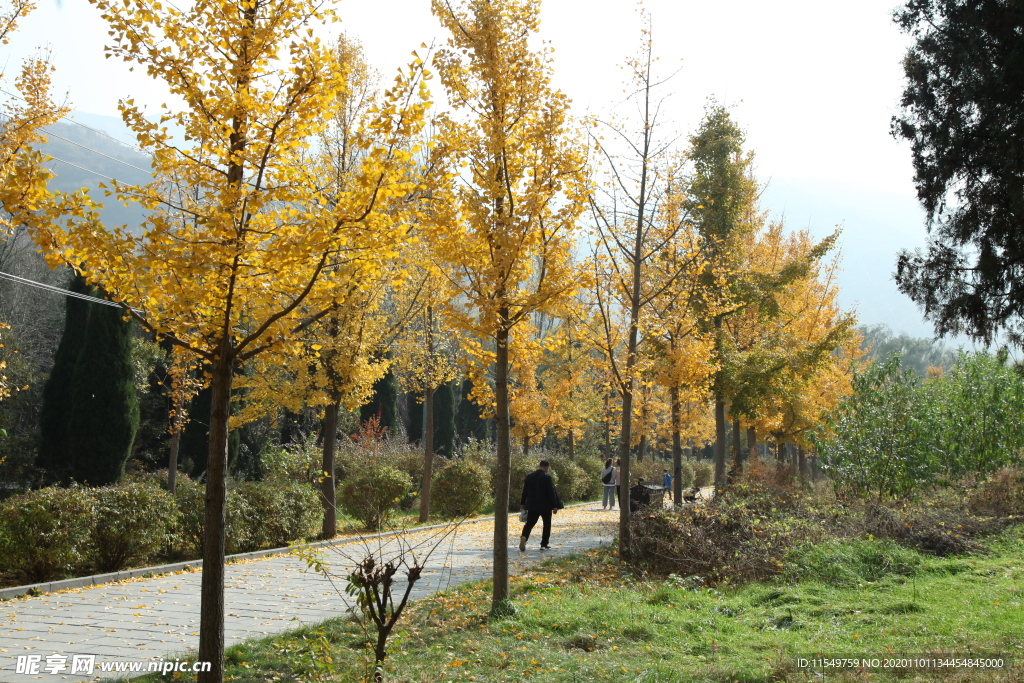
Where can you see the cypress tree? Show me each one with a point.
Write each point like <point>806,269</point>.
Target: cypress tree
<point>104,407</point>
<point>444,420</point>
<point>55,412</point>
<point>414,400</point>
<point>383,402</point>
<point>468,423</point>
<point>195,437</point>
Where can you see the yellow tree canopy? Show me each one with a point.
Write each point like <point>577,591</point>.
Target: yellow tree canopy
<point>241,231</point>
<point>24,114</point>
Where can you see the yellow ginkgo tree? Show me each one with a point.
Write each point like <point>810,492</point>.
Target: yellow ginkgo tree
<point>505,225</point>
<point>238,265</point>
<point>23,115</point>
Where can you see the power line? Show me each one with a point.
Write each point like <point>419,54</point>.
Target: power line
<point>58,290</point>
<point>81,168</point>
<point>69,119</point>
<point>96,151</point>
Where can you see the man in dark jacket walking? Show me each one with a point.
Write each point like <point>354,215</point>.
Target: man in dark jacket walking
<point>539,499</point>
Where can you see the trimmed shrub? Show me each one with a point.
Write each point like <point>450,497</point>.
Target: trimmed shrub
<point>275,513</point>
<point>372,492</point>
<point>573,482</point>
<point>703,473</point>
<point>460,489</point>
<point>190,499</point>
<point>521,466</point>
<point>372,444</point>
<point>590,487</point>
<point>45,534</point>
<point>133,522</point>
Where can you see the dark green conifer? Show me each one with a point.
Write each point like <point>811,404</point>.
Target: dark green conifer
<point>444,420</point>
<point>468,423</point>
<point>55,412</point>
<point>414,402</point>
<point>383,402</point>
<point>104,406</point>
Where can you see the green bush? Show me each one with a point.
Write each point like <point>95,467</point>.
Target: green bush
<point>274,513</point>
<point>590,488</point>
<point>190,498</point>
<point>573,482</point>
<point>292,462</point>
<point>460,489</point>
<point>45,534</point>
<point>703,473</point>
<point>134,521</point>
<point>372,445</point>
<point>687,476</point>
<point>372,492</point>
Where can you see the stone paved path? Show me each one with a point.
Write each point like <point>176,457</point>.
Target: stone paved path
<point>147,619</point>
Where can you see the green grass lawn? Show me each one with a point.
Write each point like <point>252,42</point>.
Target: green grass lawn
<point>583,619</point>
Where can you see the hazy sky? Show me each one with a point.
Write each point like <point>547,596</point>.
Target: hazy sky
<point>813,82</point>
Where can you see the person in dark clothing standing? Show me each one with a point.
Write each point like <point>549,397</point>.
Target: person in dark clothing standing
<point>540,500</point>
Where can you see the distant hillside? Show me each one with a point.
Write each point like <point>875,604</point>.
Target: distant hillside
<point>86,158</point>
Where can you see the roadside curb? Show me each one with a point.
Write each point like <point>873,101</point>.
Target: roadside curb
<point>37,589</point>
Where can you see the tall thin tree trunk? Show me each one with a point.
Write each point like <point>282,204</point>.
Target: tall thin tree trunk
<point>677,448</point>
<point>752,443</point>
<point>211,611</point>
<point>572,444</point>
<point>801,462</point>
<point>608,423</point>
<point>428,453</point>
<point>172,460</point>
<point>779,453</point>
<point>719,414</point>
<point>428,425</point>
<point>737,448</point>
<point>328,485</point>
<point>526,445</point>
<point>641,449</point>
<point>719,442</point>
<point>504,464</point>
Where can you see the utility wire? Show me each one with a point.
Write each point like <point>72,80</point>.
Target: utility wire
<point>81,168</point>
<point>96,151</point>
<point>58,290</point>
<point>68,118</point>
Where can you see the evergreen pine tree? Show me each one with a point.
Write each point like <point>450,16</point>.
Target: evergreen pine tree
<point>414,400</point>
<point>104,407</point>
<point>468,423</point>
<point>55,412</point>
<point>195,437</point>
<point>444,420</point>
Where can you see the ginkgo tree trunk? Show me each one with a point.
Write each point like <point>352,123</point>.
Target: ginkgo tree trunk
<point>504,227</point>
<point>236,267</point>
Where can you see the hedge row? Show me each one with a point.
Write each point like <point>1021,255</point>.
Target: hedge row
<point>53,532</point>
